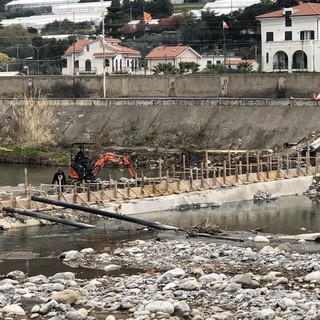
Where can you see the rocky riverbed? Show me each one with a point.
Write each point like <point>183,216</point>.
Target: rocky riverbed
<point>179,279</point>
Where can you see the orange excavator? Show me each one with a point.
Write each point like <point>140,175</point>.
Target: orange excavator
<point>81,168</point>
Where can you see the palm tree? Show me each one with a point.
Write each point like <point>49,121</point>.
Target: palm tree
<point>244,67</point>
<point>165,68</point>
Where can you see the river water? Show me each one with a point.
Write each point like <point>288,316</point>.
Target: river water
<point>35,250</point>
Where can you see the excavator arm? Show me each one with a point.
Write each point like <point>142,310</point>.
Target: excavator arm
<point>111,157</point>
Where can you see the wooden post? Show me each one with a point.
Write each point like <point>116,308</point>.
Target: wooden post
<point>224,171</point>
<point>173,171</point>
<point>142,179</point>
<point>197,173</point>
<point>153,187</point>
<point>248,165</point>
<point>160,168</point>
<point>191,180</point>
<point>268,165</point>
<point>202,177</point>
<point>236,173</point>
<point>214,177</point>
<point>240,167</point>
<point>110,181</point>
<point>75,196</point>
<point>167,181</point>
<point>206,163</point>
<point>184,167</point>
<point>258,165</point>
<point>278,167</point>
<point>88,192</point>
<point>26,181</point>
<point>229,163</point>
<point>128,189</point>
<point>115,189</point>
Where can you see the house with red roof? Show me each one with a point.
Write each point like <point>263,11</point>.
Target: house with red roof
<point>173,54</point>
<point>93,56</point>
<point>290,39</point>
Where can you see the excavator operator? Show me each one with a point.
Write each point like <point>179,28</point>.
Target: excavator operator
<point>82,164</point>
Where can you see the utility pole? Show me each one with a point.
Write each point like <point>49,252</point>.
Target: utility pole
<point>103,54</point>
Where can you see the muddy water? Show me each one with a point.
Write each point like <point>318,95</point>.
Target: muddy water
<point>36,250</point>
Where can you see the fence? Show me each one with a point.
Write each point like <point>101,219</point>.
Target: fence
<point>253,167</point>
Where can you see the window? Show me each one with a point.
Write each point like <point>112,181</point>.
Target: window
<point>88,65</point>
<point>107,62</point>
<point>307,35</point>
<point>76,64</point>
<point>209,63</point>
<point>267,57</point>
<point>269,36</point>
<point>288,35</point>
<point>287,19</point>
<point>87,48</point>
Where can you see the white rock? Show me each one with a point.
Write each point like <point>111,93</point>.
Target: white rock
<point>313,276</point>
<point>190,284</point>
<point>111,267</point>
<point>261,239</point>
<point>265,314</point>
<point>174,273</point>
<point>87,251</point>
<point>160,306</point>
<point>13,309</point>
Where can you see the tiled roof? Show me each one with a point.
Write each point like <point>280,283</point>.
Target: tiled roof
<point>166,51</point>
<point>112,47</point>
<point>304,9</point>
<point>80,44</point>
<point>236,61</point>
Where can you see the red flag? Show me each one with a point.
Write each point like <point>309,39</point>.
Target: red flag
<point>147,16</point>
<point>224,25</point>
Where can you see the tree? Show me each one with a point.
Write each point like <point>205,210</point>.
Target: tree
<point>161,8</point>
<point>186,67</point>
<point>13,35</point>
<point>5,60</point>
<point>113,19</point>
<point>165,68</point>
<point>244,67</point>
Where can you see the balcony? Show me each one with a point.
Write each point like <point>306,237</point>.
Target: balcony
<point>84,71</point>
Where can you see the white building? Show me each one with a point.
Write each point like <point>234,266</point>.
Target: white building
<point>290,39</point>
<point>88,56</point>
<point>227,6</point>
<point>76,12</point>
<point>25,4</point>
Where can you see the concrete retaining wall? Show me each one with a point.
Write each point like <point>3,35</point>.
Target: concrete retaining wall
<point>174,123</point>
<point>221,195</point>
<point>197,85</point>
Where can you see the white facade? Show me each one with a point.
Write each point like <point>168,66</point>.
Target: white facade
<point>88,56</point>
<point>23,4</point>
<point>76,12</point>
<point>290,39</point>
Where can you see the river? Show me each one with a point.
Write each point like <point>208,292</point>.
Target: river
<point>36,250</point>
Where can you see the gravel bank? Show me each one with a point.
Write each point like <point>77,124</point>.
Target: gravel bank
<point>181,279</point>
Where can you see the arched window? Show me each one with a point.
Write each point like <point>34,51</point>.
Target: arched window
<point>76,64</point>
<point>88,65</point>
<point>107,62</point>
<point>120,65</point>
<point>116,65</point>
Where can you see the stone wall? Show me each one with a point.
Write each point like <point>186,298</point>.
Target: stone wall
<point>197,85</point>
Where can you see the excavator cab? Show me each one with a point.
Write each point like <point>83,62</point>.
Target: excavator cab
<point>80,164</point>
<point>82,169</point>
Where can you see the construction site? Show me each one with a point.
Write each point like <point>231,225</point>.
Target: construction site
<point>219,170</point>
